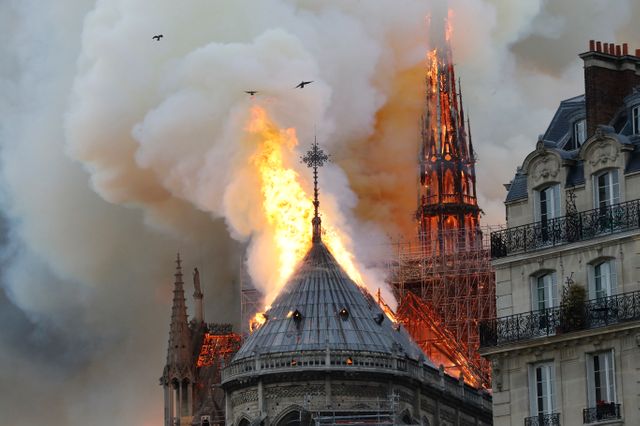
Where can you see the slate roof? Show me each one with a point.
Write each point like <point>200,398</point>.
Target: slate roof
<point>559,135</point>
<point>319,290</point>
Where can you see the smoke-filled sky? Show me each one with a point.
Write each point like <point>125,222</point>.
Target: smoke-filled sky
<point>117,151</point>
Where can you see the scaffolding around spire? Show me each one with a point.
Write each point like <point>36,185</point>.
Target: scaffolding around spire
<point>315,158</point>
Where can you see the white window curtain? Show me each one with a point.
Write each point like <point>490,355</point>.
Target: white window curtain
<point>542,388</point>
<point>601,382</point>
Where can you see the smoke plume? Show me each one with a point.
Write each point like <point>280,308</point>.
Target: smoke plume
<point>118,151</point>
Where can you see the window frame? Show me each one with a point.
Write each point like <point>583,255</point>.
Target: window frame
<point>552,197</point>
<point>608,373</point>
<point>635,120</point>
<point>579,133</point>
<point>549,290</point>
<point>548,387</point>
<point>611,184</point>
<point>610,280</point>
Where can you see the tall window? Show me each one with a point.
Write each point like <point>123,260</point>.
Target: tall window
<point>601,378</point>
<point>579,133</point>
<point>547,204</point>
<point>544,291</point>
<point>542,388</point>
<point>635,119</point>
<point>603,279</point>
<point>606,189</point>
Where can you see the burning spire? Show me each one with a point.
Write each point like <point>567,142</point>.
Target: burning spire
<point>315,158</point>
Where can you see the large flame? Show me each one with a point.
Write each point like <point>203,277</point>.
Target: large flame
<point>288,209</point>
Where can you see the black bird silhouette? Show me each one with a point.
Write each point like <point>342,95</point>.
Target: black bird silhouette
<point>157,37</point>
<point>251,92</point>
<point>303,83</point>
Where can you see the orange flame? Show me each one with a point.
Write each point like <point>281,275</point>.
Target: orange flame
<point>287,208</point>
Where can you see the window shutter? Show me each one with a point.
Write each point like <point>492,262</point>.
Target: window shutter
<point>533,285</point>
<point>533,403</point>
<point>612,377</point>
<point>591,387</point>
<point>615,187</point>
<point>554,290</point>
<point>536,205</point>
<point>552,387</point>
<point>591,278</point>
<point>596,197</point>
<point>556,201</point>
<point>613,277</point>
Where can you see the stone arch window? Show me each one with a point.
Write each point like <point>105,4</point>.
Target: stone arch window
<point>406,419</point>
<point>295,417</point>
<point>244,422</point>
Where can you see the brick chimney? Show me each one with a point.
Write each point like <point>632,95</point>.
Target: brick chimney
<point>610,73</point>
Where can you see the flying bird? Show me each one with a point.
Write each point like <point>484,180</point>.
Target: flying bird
<point>303,83</point>
<point>251,92</point>
<point>157,37</point>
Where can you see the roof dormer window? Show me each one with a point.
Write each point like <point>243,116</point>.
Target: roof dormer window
<point>635,119</point>
<point>579,133</point>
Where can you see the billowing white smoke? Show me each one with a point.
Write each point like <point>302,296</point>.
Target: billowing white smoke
<point>117,151</point>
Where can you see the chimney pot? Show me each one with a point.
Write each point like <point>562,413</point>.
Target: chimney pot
<point>612,48</point>
<point>605,48</point>
<point>618,50</point>
<point>638,52</point>
<point>592,45</point>
<point>599,46</point>
<point>625,49</point>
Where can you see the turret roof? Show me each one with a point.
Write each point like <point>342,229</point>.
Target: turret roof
<point>322,308</point>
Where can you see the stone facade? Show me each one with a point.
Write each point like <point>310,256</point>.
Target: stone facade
<point>577,223</point>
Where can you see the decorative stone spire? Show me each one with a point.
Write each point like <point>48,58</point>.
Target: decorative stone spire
<point>315,158</point>
<point>178,354</point>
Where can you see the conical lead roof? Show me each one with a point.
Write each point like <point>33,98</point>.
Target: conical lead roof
<point>321,308</point>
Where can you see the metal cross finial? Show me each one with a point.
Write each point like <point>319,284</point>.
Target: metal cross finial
<point>315,158</point>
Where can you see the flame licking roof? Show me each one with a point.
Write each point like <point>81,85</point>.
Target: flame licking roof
<point>335,313</point>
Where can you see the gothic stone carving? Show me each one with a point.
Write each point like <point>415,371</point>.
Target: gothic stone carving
<point>603,154</point>
<point>546,167</point>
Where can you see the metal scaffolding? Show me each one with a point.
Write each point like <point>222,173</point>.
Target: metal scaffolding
<point>454,289</point>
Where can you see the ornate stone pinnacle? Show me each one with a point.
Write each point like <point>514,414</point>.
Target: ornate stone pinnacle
<point>315,158</point>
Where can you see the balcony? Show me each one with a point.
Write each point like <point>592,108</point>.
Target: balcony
<point>548,322</point>
<point>566,229</point>
<point>552,419</point>
<point>601,413</point>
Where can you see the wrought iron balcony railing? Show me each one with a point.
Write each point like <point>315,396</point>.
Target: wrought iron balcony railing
<point>552,419</point>
<point>566,229</point>
<point>601,413</point>
<point>562,319</point>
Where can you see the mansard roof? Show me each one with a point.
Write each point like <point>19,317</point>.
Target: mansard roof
<point>321,308</point>
<point>559,135</point>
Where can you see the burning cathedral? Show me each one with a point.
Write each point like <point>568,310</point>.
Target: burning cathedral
<point>326,352</point>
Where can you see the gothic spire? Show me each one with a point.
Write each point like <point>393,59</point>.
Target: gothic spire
<point>179,333</point>
<point>315,158</point>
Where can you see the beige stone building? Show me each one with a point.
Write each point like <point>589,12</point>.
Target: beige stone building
<point>561,355</point>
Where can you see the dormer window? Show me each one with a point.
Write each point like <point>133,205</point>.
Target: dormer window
<point>579,133</point>
<point>635,119</point>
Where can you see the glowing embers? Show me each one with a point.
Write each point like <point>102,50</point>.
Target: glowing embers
<point>217,348</point>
